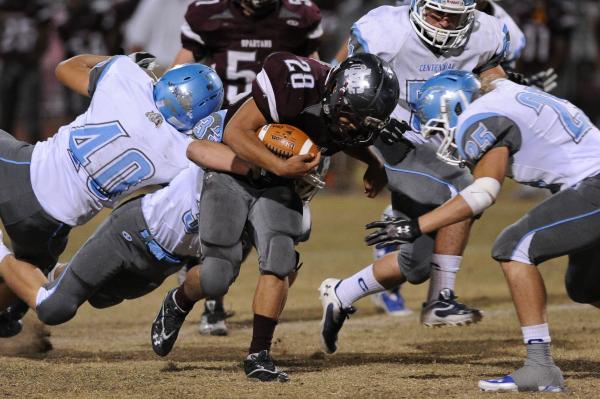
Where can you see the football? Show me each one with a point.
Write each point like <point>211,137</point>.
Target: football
<point>286,140</point>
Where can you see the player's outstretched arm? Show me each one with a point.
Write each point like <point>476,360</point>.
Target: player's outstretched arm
<point>216,156</point>
<point>488,174</point>
<point>75,71</point>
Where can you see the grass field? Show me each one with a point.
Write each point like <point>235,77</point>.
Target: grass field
<point>107,353</point>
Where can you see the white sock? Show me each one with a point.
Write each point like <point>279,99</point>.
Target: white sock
<point>4,251</point>
<point>361,284</point>
<point>537,334</point>
<point>443,274</point>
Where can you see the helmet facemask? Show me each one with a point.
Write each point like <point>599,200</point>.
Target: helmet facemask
<point>443,98</point>
<point>360,95</point>
<point>459,12</point>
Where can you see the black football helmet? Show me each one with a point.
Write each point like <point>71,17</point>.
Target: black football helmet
<point>360,95</point>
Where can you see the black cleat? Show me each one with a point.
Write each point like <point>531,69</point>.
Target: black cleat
<point>165,327</point>
<point>334,315</point>
<point>8,326</point>
<point>262,367</point>
<point>447,311</point>
<point>212,321</point>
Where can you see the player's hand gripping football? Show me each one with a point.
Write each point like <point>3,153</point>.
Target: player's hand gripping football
<point>393,231</point>
<point>298,166</point>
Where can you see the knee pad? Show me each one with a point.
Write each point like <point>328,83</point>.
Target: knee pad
<point>102,301</point>
<point>216,276</point>
<point>280,259</point>
<point>582,293</point>
<point>415,259</point>
<point>57,309</point>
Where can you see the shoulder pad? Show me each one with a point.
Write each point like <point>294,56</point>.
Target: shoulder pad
<point>203,15</point>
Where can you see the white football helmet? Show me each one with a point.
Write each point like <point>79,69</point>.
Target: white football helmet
<point>462,13</point>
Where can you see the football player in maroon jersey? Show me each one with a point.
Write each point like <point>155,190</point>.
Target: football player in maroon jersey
<point>343,109</point>
<point>235,37</point>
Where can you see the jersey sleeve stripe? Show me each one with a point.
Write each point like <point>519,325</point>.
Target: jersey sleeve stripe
<point>186,30</point>
<point>265,85</point>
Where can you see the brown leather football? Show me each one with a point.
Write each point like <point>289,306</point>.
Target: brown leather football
<point>286,140</point>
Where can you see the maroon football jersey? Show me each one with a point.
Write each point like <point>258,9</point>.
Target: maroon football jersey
<point>235,45</point>
<point>289,89</point>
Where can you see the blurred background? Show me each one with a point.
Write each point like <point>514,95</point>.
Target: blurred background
<point>37,34</point>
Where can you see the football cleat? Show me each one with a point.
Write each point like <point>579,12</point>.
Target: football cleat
<point>165,327</point>
<point>212,321</point>
<point>334,315</point>
<point>391,302</point>
<point>508,384</point>
<point>261,366</point>
<point>9,327</point>
<point>447,311</point>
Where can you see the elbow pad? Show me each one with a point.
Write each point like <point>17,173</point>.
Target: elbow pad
<point>481,194</point>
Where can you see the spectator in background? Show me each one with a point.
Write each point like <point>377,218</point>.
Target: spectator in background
<point>155,28</point>
<point>120,12</point>
<point>23,40</point>
<point>548,26</point>
<point>83,27</point>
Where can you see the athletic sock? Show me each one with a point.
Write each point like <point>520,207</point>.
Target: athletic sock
<point>363,283</point>
<point>182,301</point>
<point>443,274</point>
<point>537,334</point>
<point>539,354</point>
<point>262,333</point>
<point>4,251</point>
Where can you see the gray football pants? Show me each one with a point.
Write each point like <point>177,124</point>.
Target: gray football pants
<point>567,223</point>
<point>419,183</point>
<point>272,215</point>
<point>114,264</point>
<point>36,237</point>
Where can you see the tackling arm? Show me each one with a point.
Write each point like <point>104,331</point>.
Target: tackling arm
<point>489,174</point>
<point>216,156</point>
<point>75,71</point>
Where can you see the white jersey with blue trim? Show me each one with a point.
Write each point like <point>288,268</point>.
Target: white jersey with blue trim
<point>121,143</point>
<point>517,37</point>
<point>387,32</point>
<point>172,213</point>
<point>552,143</point>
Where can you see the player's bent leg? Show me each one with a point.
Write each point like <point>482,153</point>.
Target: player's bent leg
<point>442,307</point>
<point>391,300</point>
<point>337,296</point>
<point>57,302</point>
<point>22,278</point>
<point>539,372</point>
<point>582,276</point>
